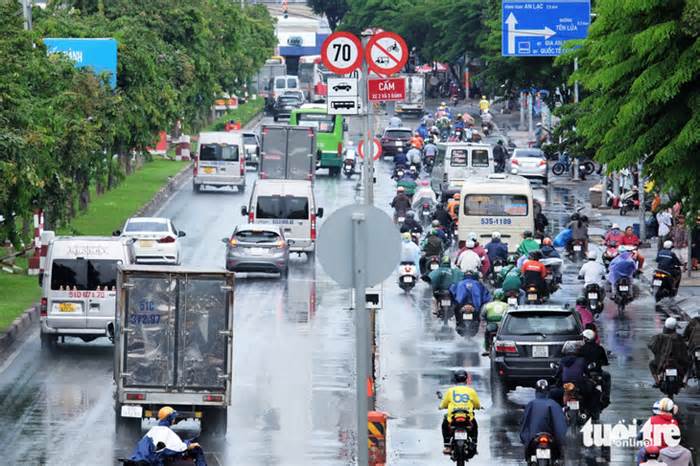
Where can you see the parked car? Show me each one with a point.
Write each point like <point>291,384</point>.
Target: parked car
<point>256,247</point>
<point>251,145</point>
<point>394,140</point>
<point>156,240</point>
<point>530,163</point>
<point>528,341</point>
<point>284,105</point>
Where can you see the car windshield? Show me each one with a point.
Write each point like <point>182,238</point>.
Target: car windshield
<point>218,152</point>
<point>283,207</point>
<point>509,205</point>
<point>322,122</point>
<point>84,274</point>
<point>529,153</point>
<point>156,227</point>
<point>257,236</point>
<point>249,139</point>
<point>541,323</point>
<point>292,83</point>
<point>398,134</point>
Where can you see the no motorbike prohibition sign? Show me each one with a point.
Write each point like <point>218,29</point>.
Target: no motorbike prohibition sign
<point>386,53</point>
<point>376,149</point>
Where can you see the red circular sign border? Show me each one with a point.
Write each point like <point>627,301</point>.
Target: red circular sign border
<point>368,54</point>
<point>324,49</point>
<point>361,149</point>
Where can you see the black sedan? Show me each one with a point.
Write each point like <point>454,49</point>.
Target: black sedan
<point>284,105</point>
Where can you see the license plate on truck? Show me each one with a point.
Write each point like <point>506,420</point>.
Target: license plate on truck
<point>132,411</point>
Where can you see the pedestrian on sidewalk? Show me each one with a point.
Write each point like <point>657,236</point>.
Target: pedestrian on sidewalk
<point>665,220</point>
<point>679,236</point>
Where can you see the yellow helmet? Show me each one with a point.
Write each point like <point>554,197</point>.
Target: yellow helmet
<point>164,412</point>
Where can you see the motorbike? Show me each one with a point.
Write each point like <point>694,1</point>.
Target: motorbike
<point>407,276</point>
<point>533,295</point>
<point>462,443</point>
<point>577,250</point>
<point>458,135</point>
<point>470,320</point>
<point>574,409</point>
<point>432,263</point>
<point>399,172</point>
<point>670,382</point>
<point>496,268</point>
<point>629,201</point>
<point>443,303</point>
<point>512,298</point>
<point>609,254</point>
<point>428,162</point>
<point>553,278</point>
<point>663,285</point>
<point>566,164</point>
<point>486,129</point>
<point>348,168</point>
<point>425,214</point>
<point>623,294</point>
<point>489,335</point>
<point>594,298</point>
<point>542,448</point>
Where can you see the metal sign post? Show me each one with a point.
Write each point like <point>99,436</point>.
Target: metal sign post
<point>362,362</point>
<point>368,165</point>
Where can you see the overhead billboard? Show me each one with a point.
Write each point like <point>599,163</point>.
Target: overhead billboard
<point>98,54</point>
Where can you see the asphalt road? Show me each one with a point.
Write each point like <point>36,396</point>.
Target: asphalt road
<point>293,397</point>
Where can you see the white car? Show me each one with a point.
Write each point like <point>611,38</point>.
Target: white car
<point>156,240</point>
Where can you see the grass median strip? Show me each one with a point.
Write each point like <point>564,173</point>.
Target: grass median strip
<point>105,214</point>
<point>243,114</point>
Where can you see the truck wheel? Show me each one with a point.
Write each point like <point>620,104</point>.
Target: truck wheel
<point>214,421</point>
<point>48,341</point>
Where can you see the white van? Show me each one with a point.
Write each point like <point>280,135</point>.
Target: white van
<point>291,205</point>
<point>79,286</point>
<point>455,162</point>
<point>496,202</point>
<point>219,161</point>
<point>283,84</point>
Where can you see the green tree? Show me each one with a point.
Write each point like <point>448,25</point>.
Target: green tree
<point>640,68</point>
<point>334,10</point>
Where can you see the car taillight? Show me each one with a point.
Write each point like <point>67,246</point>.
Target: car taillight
<point>280,244</point>
<point>251,217</point>
<point>543,163</point>
<point>44,307</point>
<point>514,161</point>
<point>242,167</point>
<point>313,227</point>
<point>233,242</point>
<point>505,347</point>
<point>167,239</point>
<point>195,170</point>
<point>213,397</point>
<point>135,396</point>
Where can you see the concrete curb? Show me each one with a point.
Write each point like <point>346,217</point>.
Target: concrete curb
<point>20,325</point>
<point>31,316</point>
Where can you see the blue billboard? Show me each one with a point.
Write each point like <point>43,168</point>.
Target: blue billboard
<point>98,54</point>
<point>540,28</point>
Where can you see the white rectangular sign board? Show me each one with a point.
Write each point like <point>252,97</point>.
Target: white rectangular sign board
<point>343,98</point>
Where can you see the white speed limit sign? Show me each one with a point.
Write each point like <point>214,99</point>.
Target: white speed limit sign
<point>341,52</point>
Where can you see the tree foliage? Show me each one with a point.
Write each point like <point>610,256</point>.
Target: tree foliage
<point>60,126</point>
<point>334,10</point>
<point>640,68</point>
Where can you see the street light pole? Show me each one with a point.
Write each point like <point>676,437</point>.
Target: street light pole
<point>27,13</point>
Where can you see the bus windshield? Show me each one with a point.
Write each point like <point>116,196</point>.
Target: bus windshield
<point>505,205</point>
<point>323,123</point>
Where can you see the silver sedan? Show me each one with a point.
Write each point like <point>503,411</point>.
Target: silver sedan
<point>530,163</point>
<point>257,248</point>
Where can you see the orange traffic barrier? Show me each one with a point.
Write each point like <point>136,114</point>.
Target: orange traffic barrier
<point>376,437</point>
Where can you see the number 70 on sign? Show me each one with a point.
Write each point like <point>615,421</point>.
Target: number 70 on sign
<point>341,52</point>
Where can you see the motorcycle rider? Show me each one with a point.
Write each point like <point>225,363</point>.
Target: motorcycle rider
<point>469,291</point>
<point>547,248</point>
<point>435,225</point>
<point>528,244</point>
<point>400,160</point>
<point>161,443</point>
<point>422,129</point>
<point>415,156</point>
<point>543,414</point>
<point>410,224</point>
<point>432,246</point>
<point>579,231</point>
<point>593,272</point>
<point>534,272</point>
<point>395,122</point>
<point>453,207</point>
<point>573,369</point>
<point>511,279</point>
<point>401,203</point>
<point>443,277</point>
<point>595,354</point>
<point>430,150</point>
<point>492,313</point>
<point>631,240</point>
<point>614,234</point>
<point>484,104</point>
<point>664,412</point>
<point>445,219</point>
<point>481,252</point>
<point>407,181</point>
<point>410,252</point>
<point>496,249</point>
<point>423,194</point>
<point>500,154</point>
<point>668,261</point>
<point>623,266</point>
<point>468,259</point>
<point>459,396</point>
<point>670,351</point>
<point>487,120</point>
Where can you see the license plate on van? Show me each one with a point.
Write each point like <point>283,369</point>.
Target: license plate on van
<point>209,170</point>
<point>67,307</point>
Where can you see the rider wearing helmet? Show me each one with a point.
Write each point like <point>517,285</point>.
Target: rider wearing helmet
<point>534,272</point>
<point>432,246</point>
<point>528,244</point>
<point>573,370</point>
<point>469,291</point>
<point>484,104</point>
<point>414,154</point>
<point>453,206</point>
<point>401,203</point>
<point>665,411</point>
<point>496,249</point>
<point>161,443</point>
<point>410,224</point>
<point>670,351</point>
<point>444,276</point>
<point>511,278</point>
<point>424,194</point>
<point>543,414</point>
<point>493,313</point>
<point>459,397</point>
<point>547,248</point>
<point>668,261</point>
<point>595,354</point>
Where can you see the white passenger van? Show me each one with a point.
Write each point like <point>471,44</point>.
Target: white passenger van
<point>283,84</point>
<point>79,286</point>
<point>291,205</point>
<point>455,162</point>
<point>497,202</point>
<point>219,161</point>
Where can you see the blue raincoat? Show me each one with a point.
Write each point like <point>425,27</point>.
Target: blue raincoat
<point>543,415</point>
<point>622,266</point>
<point>160,442</point>
<point>470,291</point>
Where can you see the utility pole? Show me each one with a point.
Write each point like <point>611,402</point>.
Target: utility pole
<point>367,134</point>
<point>642,218</point>
<point>27,13</point>
<point>576,82</point>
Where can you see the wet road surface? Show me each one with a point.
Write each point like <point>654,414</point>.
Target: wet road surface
<point>293,397</point>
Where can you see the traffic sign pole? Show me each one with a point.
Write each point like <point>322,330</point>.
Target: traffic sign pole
<point>368,172</point>
<point>362,362</point>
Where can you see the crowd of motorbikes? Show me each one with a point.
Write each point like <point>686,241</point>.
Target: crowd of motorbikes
<point>609,274</point>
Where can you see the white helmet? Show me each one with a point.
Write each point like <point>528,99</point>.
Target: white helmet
<point>666,405</point>
<point>496,234</point>
<point>668,244</point>
<point>615,226</point>
<point>588,334</point>
<point>472,236</point>
<point>470,244</point>
<point>592,255</point>
<point>671,323</point>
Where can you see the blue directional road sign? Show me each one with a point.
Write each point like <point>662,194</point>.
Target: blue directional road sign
<point>98,54</point>
<point>539,29</point>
